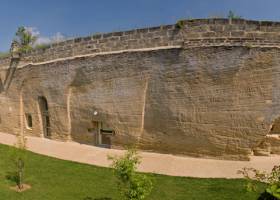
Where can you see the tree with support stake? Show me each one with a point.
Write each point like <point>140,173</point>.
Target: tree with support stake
<point>18,158</point>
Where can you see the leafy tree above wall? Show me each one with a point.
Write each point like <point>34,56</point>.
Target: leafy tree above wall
<point>25,39</point>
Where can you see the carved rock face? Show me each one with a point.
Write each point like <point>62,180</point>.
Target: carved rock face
<point>207,102</point>
<point>212,93</point>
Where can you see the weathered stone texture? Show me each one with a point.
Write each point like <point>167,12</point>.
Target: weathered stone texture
<point>214,95</point>
<point>213,102</point>
<point>195,33</point>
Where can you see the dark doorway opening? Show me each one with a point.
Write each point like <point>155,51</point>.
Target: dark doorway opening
<point>102,135</point>
<point>28,118</point>
<point>105,137</point>
<point>44,109</point>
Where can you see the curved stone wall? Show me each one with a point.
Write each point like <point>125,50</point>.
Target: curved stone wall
<point>195,33</point>
<point>209,89</point>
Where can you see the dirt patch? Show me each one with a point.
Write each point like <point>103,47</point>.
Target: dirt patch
<point>24,188</point>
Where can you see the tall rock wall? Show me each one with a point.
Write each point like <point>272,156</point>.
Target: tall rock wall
<point>220,100</point>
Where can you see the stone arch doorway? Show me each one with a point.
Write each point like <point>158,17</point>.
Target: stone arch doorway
<point>45,117</point>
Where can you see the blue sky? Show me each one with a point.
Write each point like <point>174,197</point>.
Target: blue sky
<point>84,17</point>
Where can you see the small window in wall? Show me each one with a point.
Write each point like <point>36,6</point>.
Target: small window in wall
<point>28,118</point>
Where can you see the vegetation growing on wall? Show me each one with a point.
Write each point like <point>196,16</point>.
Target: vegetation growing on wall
<point>232,15</point>
<point>180,24</point>
<point>25,39</point>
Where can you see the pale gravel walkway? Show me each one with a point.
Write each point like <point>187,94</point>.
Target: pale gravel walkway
<point>151,162</point>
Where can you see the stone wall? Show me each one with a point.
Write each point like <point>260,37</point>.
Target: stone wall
<point>195,33</point>
<point>182,95</point>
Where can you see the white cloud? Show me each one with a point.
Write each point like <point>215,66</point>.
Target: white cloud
<point>33,30</point>
<point>42,40</point>
<point>58,37</point>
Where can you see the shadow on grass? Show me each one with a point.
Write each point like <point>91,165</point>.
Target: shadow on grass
<point>102,198</point>
<point>13,177</point>
<point>266,196</point>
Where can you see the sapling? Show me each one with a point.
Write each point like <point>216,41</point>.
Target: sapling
<point>25,39</point>
<point>18,159</point>
<point>134,186</point>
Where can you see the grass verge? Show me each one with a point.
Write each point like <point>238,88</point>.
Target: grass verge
<point>54,179</point>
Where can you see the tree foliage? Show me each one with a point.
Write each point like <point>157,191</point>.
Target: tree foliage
<point>25,39</point>
<point>272,180</point>
<point>134,186</point>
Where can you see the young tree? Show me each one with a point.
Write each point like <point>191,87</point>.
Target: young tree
<point>18,158</point>
<point>134,186</point>
<point>25,39</point>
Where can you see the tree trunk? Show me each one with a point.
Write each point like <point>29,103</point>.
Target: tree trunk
<point>20,173</point>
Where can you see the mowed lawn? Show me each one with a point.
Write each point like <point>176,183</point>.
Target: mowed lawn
<point>54,179</point>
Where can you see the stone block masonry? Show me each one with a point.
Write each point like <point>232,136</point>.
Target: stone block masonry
<point>207,89</point>
<point>195,33</point>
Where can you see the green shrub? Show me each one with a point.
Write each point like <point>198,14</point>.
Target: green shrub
<point>274,190</point>
<point>180,24</point>
<point>133,186</point>
<point>139,188</point>
<point>272,180</point>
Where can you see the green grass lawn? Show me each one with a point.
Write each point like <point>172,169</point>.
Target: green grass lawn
<point>54,179</point>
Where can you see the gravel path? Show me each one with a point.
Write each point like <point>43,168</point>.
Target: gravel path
<point>151,162</point>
